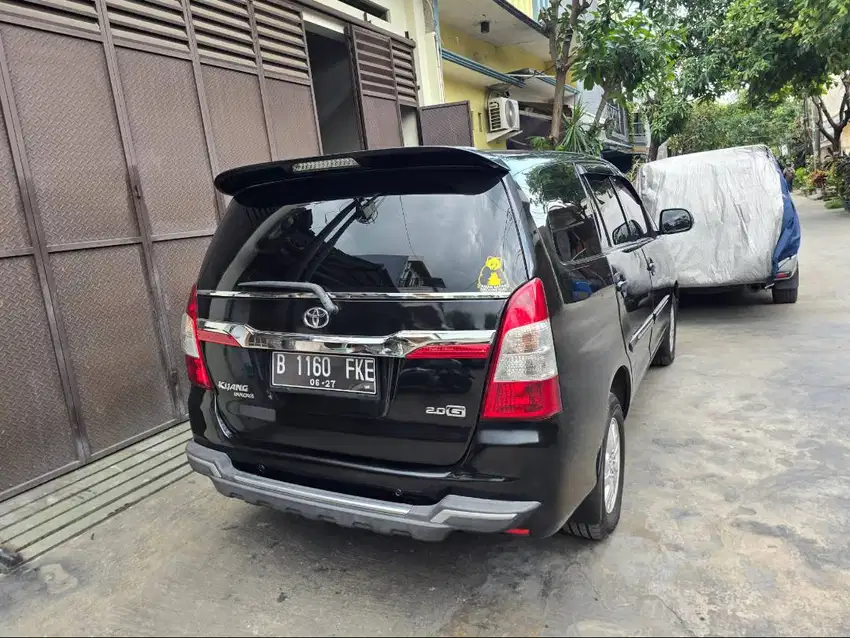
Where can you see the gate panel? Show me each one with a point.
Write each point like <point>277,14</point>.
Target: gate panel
<point>71,136</point>
<point>13,226</point>
<point>446,124</point>
<point>34,422</point>
<point>179,262</point>
<point>165,124</point>
<point>236,112</point>
<point>293,121</point>
<point>113,346</point>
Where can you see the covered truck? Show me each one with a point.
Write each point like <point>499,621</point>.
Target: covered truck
<point>746,231</point>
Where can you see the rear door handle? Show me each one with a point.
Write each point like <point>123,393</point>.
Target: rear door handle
<point>650,265</point>
<point>620,283</point>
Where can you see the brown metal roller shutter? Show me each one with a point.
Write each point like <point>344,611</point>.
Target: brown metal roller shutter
<point>376,88</point>
<point>446,124</point>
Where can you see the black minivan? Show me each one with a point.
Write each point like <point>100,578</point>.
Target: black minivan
<point>427,339</point>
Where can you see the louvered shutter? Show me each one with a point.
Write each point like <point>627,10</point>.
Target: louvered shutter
<point>223,31</point>
<point>293,125</point>
<point>74,14</point>
<point>375,85</point>
<point>143,22</point>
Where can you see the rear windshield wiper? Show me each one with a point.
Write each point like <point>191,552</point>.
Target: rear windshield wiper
<point>316,289</point>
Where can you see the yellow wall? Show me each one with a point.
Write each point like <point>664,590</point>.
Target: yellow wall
<point>525,6</point>
<point>504,59</point>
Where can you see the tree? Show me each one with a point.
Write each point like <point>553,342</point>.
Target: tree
<point>712,125</point>
<point>781,47</point>
<point>560,21</point>
<point>619,51</point>
<point>666,112</point>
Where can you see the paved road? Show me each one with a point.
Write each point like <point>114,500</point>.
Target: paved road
<point>735,521</point>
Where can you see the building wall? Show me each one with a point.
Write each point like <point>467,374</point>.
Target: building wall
<point>504,59</point>
<point>408,17</point>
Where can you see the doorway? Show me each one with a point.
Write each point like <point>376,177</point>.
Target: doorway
<point>333,86</point>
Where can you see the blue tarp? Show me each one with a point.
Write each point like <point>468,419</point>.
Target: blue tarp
<point>789,238</point>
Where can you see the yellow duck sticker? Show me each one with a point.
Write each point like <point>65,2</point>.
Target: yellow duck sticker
<point>492,278</point>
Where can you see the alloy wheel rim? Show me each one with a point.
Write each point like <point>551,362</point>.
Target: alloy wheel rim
<point>611,477</point>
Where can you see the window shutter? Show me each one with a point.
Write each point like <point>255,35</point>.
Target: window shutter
<point>158,22</point>
<point>282,46</point>
<point>223,31</point>
<point>80,14</point>
<point>405,74</point>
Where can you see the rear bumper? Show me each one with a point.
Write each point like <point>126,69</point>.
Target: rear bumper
<point>422,522</point>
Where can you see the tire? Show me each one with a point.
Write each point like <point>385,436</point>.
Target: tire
<point>787,294</point>
<point>596,518</point>
<point>666,353</point>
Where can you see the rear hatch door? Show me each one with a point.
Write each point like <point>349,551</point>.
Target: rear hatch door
<point>417,250</point>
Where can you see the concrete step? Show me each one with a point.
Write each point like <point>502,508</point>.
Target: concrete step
<point>50,514</point>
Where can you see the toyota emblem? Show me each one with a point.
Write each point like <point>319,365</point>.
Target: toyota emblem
<point>316,318</point>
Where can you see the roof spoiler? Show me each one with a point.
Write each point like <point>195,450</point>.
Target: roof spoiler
<point>237,179</point>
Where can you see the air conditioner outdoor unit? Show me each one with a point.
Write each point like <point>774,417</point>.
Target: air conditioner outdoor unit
<point>502,117</point>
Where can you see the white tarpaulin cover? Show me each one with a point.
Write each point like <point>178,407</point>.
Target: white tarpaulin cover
<point>735,197</point>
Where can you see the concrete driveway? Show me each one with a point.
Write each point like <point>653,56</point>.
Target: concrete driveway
<point>735,521</point>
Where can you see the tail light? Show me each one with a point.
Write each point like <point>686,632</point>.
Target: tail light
<point>524,380</point>
<point>195,366</point>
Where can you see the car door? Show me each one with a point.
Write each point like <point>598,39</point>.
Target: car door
<point>661,267</point>
<point>629,267</point>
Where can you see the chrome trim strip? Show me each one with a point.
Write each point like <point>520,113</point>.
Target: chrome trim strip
<point>361,296</point>
<point>647,324</point>
<point>661,306</point>
<point>397,345</point>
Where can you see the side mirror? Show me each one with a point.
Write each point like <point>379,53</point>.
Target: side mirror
<point>675,220</point>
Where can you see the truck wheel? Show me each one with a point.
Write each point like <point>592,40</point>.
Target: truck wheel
<point>787,293</point>
<point>599,513</point>
<point>667,350</point>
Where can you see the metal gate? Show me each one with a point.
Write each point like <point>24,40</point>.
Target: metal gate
<point>116,116</point>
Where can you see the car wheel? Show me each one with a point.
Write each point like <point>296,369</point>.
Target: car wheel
<point>599,513</point>
<point>667,350</point>
<point>789,294</point>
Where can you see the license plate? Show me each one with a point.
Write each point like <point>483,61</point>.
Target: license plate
<point>325,372</point>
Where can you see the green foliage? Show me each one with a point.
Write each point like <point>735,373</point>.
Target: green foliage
<point>620,50</point>
<point>578,135</point>
<point>713,125</point>
<point>552,183</point>
<point>801,174</point>
<point>834,203</point>
<point>841,169</point>
<point>782,47</point>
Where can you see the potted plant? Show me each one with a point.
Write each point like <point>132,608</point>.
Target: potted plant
<point>817,181</point>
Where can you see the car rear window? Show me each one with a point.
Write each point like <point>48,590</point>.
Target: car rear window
<point>384,241</point>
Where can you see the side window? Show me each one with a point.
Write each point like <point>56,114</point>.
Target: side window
<point>559,202</point>
<point>609,209</point>
<point>632,209</point>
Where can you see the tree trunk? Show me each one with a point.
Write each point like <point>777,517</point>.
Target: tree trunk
<point>558,105</point>
<point>603,104</point>
<point>652,151</point>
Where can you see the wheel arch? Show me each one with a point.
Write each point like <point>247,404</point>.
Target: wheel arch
<point>621,387</point>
